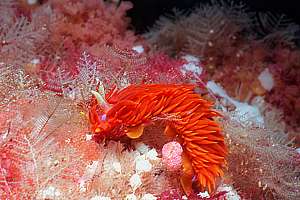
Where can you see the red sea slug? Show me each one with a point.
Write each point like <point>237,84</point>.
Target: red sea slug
<point>189,118</point>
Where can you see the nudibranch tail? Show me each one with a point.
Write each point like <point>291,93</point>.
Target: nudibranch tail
<point>201,137</point>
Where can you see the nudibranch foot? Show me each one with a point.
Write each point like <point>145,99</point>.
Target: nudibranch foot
<point>135,131</point>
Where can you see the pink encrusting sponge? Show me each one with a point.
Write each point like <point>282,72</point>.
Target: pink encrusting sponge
<point>171,155</point>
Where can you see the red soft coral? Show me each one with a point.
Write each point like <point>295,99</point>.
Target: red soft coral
<point>90,24</point>
<point>286,93</point>
<point>164,69</point>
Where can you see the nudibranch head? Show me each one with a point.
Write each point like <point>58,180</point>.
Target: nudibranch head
<point>98,118</point>
<point>102,126</point>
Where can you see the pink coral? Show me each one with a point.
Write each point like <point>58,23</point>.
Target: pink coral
<point>285,94</point>
<point>164,69</point>
<point>171,155</point>
<point>90,24</point>
<point>172,194</point>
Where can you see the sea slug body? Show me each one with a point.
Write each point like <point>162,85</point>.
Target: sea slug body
<point>188,117</point>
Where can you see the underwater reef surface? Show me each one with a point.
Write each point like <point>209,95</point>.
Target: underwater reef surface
<point>204,105</point>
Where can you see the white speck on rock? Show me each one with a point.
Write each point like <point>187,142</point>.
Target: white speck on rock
<point>142,148</point>
<point>266,79</point>
<point>298,150</point>
<point>32,2</point>
<point>117,166</point>
<point>131,197</point>
<point>50,193</point>
<point>82,187</point>
<point>142,165</point>
<point>148,196</point>
<point>35,60</point>
<point>135,181</point>
<point>152,155</point>
<point>192,66</point>
<point>124,82</point>
<point>5,134</point>
<point>100,198</point>
<point>216,89</point>
<point>88,137</point>
<point>88,175</point>
<point>244,113</point>
<point>204,194</point>
<point>231,193</point>
<point>91,169</point>
<point>190,58</point>
<point>138,48</point>
<point>135,154</point>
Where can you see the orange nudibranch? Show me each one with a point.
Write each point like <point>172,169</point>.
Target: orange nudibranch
<point>128,110</point>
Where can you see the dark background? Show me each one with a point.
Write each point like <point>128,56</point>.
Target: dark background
<point>146,12</point>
